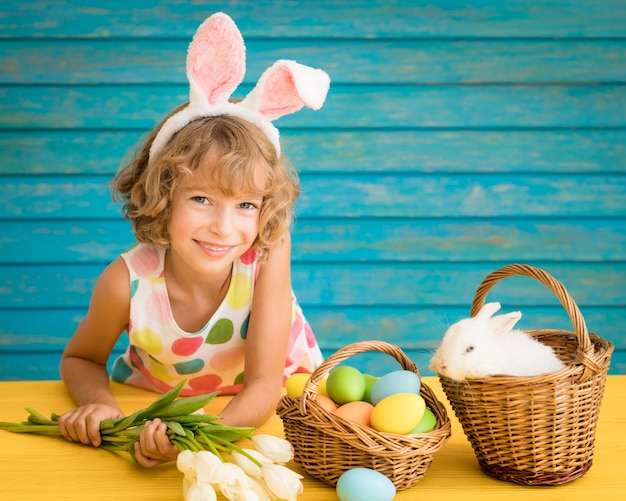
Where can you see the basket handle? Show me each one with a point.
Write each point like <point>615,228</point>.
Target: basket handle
<point>310,388</point>
<point>585,346</point>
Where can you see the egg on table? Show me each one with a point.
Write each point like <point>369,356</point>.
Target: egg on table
<point>364,484</point>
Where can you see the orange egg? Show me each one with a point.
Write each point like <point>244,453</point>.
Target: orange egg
<point>326,403</point>
<point>357,411</point>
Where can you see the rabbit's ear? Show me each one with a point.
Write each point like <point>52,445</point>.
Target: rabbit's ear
<point>285,87</point>
<point>216,61</point>
<point>488,310</point>
<point>504,323</point>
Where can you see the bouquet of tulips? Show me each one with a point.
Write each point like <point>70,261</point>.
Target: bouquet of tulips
<point>206,445</point>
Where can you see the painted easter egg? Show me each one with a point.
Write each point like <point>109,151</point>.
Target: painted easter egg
<point>345,384</point>
<point>357,411</point>
<point>427,423</point>
<point>364,484</point>
<point>399,413</point>
<point>401,381</point>
<point>294,385</point>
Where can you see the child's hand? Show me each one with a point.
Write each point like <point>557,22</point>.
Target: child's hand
<point>82,424</point>
<point>154,447</point>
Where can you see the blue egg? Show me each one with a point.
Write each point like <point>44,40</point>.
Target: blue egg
<point>365,484</point>
<point>401,381</point>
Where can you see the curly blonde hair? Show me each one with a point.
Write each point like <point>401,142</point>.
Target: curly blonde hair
<point>145,186</point>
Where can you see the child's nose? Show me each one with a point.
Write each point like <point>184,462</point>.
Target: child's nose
<point>222,223</point>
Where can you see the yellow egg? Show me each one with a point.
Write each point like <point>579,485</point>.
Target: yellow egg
<point>321,389</point>
<point>399,413</point>
<point>295,384</point>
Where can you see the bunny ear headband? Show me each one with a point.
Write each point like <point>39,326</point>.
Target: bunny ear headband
<point>216,66</point>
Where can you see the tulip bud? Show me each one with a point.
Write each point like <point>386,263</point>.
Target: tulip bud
<point>249,466</point>
<point>282,482</point>
<point>274,448</point>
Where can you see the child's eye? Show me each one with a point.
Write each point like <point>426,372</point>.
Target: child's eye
<point>247,205</point>
<point>200,199</point>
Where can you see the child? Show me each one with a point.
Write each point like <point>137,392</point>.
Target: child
<point>208,285</point>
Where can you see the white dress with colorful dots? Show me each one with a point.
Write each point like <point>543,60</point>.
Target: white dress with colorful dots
<point>160,354</point>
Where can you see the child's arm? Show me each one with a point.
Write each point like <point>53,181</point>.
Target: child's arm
<point>83,365</point>
<point>266,341</point>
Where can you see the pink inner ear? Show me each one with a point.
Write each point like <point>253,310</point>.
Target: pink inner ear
<point>280,96</point>
<point>216,58</point>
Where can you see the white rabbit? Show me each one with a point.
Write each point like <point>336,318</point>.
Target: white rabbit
<point>484,346</point>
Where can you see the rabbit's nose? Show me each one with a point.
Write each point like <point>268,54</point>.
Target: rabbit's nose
<point>438,366</point>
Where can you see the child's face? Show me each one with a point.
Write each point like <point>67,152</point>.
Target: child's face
<point>208,229</point>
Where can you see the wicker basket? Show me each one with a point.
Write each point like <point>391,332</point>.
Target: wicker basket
<point>326,445</point>
<point>536,430</point>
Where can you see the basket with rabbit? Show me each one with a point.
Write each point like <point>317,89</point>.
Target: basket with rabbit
<point>528,401</point>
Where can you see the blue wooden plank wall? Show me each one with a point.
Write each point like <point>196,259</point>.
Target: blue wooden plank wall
<point>458,136</point>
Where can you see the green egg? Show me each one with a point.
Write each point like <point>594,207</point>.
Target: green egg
<point>428,422</point>
<point>369,383</point>
<point>345,384</point>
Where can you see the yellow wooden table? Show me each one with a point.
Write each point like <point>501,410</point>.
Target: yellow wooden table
<point>38,467</point>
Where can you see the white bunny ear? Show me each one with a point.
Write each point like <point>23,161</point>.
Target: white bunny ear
<point>216,65</point>
<point>504,323</point>
<point>216,61</point>
<point>488,310</point>
<point>285,87</point>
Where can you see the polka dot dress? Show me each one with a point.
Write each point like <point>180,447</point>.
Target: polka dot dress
<point>160,354</point>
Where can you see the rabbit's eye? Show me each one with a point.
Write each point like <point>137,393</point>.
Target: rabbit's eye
<point>469,349</point>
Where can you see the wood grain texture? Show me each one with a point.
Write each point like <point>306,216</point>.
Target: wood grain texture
<point>378,61</point>
<point>347,285</point>
<point>457,137</point>
<point>320,19</point>
<point>378,151</point>
<point>350,240</point>
<point>356,196</point>
<point>347,107</point>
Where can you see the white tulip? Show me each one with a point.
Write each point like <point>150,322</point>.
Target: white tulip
<point>249,466</point>
<point>199,492</point>
<point>282,482</point>
<point>247,495</point>
<point>186,484</point>
<point>274,448</point>
<point>261,490</point>
<point>234,481</point>
<point>186,464</point>
<point>209,468</point>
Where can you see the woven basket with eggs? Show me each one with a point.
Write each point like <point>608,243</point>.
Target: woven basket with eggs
<point>327,445</point>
